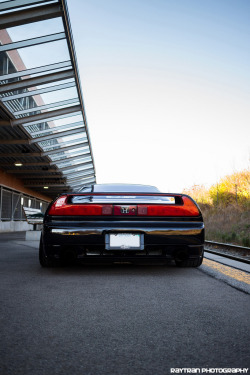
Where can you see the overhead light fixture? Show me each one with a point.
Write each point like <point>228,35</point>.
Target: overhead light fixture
<point>18,164</point>
<point>45,187</point>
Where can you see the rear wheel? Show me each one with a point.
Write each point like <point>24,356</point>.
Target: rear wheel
<point>44,261</point>
<point>189,262</point>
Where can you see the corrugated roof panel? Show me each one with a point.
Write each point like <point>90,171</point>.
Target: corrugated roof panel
<point>42,90</point>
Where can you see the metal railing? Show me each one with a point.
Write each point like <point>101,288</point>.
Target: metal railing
<point>12,201</point>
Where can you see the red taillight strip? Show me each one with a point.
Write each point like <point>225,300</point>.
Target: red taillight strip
<point>188,209</point>
<point>80,209</point>
<point>61,208</point>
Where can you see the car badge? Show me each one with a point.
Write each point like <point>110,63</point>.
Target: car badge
<point>125,210</point>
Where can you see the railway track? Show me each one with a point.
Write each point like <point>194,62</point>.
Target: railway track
<point>235,252</point>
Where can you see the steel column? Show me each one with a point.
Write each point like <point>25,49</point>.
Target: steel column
<point>32,42</point>
<point>14,4</point>
<point>47,106</point>
<point>36,81</point>
<point>39,69</point>
<point>36,164</point>
<point>69,142</point>
<point>38,91</point>
<point>47,184</point>
<point>82,156</point>
<point>42,117</point>
<point>74,125</point>
<point>71,47</point>
<point>86,163</point>
<point>66,148</point>
<point>19,170</point>
<point>22,17</point>
<point>47,153</point>
<point>57,135</point>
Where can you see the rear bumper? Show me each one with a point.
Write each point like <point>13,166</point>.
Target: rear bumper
<point>86,240</point>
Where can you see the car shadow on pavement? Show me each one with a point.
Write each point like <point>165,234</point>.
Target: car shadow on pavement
<point>116,269</point>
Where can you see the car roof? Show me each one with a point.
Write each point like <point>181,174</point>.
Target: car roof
<point>119,188</point>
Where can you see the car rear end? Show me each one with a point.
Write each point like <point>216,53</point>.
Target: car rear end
<point>123,228</point>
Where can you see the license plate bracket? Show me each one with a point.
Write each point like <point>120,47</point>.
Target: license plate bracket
<point>124,241</point>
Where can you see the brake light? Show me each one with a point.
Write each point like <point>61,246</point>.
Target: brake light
<point>61,208</point>
<point>187,209</point>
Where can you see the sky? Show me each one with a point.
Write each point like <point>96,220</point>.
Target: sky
<point>166,88</point>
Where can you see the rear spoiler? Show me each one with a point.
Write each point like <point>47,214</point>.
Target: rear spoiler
<point>119,204</point>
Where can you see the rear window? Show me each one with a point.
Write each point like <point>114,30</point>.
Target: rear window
<point>120,188</point>
<point>122,199</point>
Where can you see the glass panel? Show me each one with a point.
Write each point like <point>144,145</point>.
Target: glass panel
<point>74,171</point>
<point>73,162</point>
<point>83,182</point>
<point>76,179</point>
<point>36,128</point>
<point>62,140</point>
<point>51,84</point>
<point>60,95</point>
<point>31,110</point>
<point>33,203</point>
<point>52,129</point>
<point>43,54</point>
<point>25,202</point>
<point>72,177</point>
<point>17,206</point>
<point>6,205</point>
<point>36,29</point>
<point>63,155</point>
<point>51,145</point>
<point>68,120</point>
<point>37,205</point>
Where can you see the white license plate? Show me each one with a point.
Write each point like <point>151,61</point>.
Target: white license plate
<point>124,241</point>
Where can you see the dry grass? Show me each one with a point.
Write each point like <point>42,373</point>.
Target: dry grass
<point>227,224</point>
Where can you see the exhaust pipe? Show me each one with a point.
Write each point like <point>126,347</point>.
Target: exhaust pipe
<point>69,256</point>
<point>180,255</point>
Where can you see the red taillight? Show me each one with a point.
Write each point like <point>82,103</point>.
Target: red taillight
<point>187,209</point>
<point>107,209</point>
<point>61,208</point>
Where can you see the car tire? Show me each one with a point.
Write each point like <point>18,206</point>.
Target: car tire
<point>189,262</point>
<point>44,261</point>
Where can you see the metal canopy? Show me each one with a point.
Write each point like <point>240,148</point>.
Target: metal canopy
<point>44,137</point>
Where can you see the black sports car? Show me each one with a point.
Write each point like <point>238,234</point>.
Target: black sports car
<point>121,223</point>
